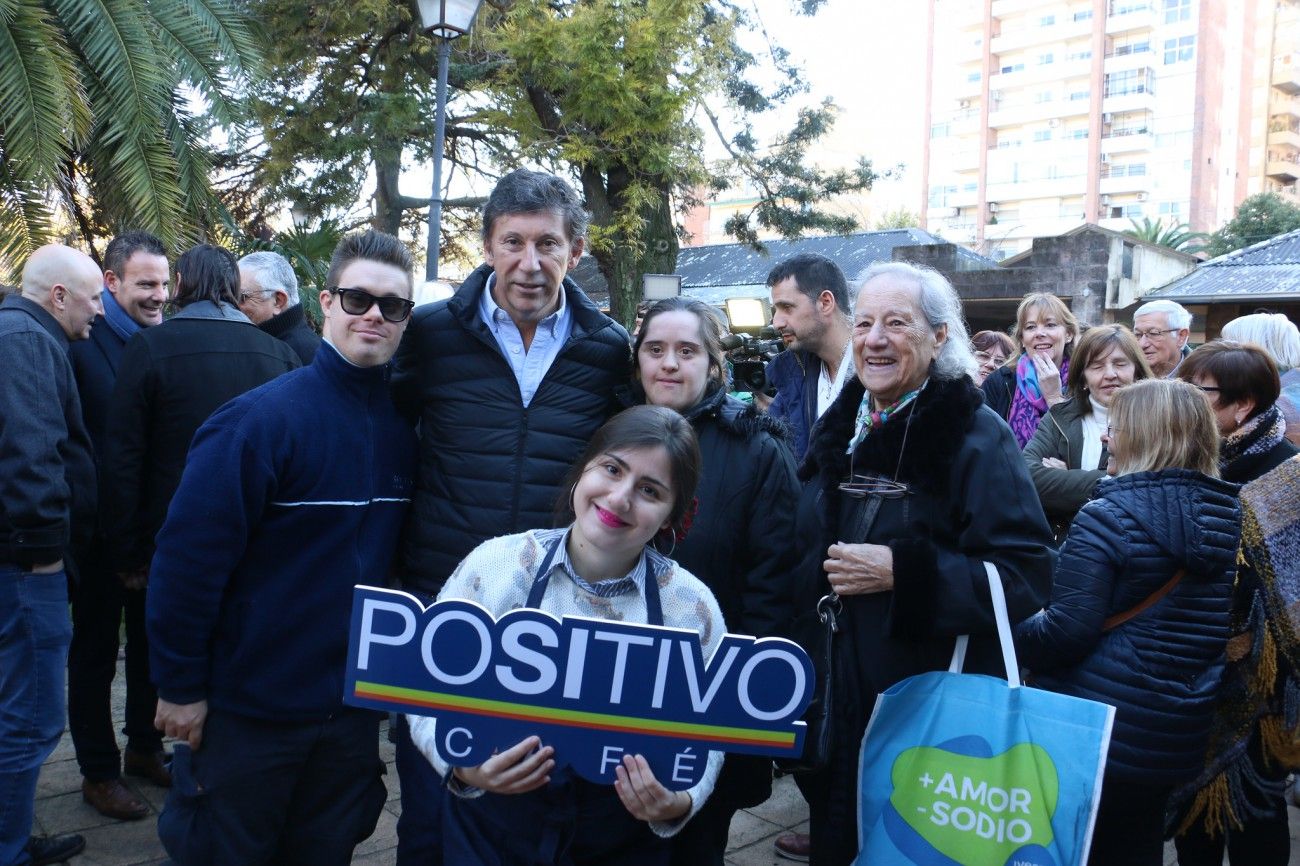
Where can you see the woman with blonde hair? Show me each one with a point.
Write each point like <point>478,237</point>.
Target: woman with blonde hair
<point>1066,457</point>
<point>1046,331</point>
<point>1140,606</point>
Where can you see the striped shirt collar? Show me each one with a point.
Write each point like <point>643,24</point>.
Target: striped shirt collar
<point>633,581</point>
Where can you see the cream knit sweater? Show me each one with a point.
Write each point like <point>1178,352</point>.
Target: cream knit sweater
<point>498,574</point>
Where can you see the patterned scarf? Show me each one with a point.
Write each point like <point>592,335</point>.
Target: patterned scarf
<point>1256,436</point>
<point>1259,695</point>
<point>1028,406</point>
<point>869,419</point>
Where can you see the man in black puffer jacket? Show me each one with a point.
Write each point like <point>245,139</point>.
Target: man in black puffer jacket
<point>509,379</point>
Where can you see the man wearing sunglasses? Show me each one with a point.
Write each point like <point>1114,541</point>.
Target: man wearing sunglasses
<point>508,378</point>
<point>293,493</point>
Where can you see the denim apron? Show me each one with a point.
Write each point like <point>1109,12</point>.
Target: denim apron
<point>570,821</point>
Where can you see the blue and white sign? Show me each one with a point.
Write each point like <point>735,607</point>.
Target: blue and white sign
<point>593,689</point>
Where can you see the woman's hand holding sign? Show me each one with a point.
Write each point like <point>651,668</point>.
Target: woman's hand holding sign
<point>642,795</point>
<point>523,767</point>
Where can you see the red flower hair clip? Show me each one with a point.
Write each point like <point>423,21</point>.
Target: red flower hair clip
<point>689,518</point>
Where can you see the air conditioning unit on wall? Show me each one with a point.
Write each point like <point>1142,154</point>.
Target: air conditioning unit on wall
<point>993,207</point>
<point>1143,196</point>
<point>1105,158</point>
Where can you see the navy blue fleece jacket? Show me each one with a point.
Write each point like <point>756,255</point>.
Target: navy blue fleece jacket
<point>292,493</point>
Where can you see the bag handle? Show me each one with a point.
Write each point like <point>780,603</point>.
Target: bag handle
<point>1113,622</point>
<point>1003,619</point>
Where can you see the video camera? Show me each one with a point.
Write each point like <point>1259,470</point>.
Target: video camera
<point>749,355</point>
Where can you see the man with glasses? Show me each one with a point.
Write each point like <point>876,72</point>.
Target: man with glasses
<point>269,297</point>
<point>509,379</point>
<point>293,493</point>
<point>136,280</point>
<point>1162,328</point>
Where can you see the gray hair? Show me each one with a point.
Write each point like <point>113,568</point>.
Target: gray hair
<point>273,272</point>
<point>941,305</point>
<point>523,191</point>
<point>1272,332</point>
<point>1175,314</point>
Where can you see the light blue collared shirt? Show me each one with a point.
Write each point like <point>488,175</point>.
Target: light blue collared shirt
<point>529,364</point>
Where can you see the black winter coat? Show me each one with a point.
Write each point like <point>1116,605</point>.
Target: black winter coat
<point>999,388</point>
<point>95,362</point>
<point>490,466</point>
<point>171,378</point>
<point>741,542</point>
<point>291,326</point>
<point>971,500</point>
<point>1161,669</point>
<point>47,473</point>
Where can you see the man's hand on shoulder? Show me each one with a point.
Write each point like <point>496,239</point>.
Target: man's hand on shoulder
<point>182,721</point>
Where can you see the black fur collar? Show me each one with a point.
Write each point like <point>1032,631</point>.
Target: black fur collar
<point>941,414</point>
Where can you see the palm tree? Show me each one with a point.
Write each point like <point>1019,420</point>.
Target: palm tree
<point>1177,237</point>
<point>98,117</point>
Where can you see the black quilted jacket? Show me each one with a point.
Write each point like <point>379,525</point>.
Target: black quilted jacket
<point>488,465</point>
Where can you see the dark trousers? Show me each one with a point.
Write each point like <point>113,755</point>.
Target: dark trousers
<point>98,606</point>
<point>1130,829</point>
<point>1265,838</point>
<point>419,827</point>
<point>269,792</point>
<point>703,841</point>
<point>570,823</point>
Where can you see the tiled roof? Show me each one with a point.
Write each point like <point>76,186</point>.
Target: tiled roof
<point>1267,270</point>
<point>715,272</point>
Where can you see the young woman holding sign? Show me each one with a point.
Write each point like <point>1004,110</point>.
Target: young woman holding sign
<point>635,482</point>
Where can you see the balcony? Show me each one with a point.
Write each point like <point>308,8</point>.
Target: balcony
<point>1003,8</point>
<point>1128,60</point>
<point>1286,137</point>
<point>1061,187</point>
<point>1284,110</point>
<point>1130,21</point>
<point>1286,75</point>
<point>1127,142</point>
<point>1142,183</point>
<point>1135,101</point>
<point>1286,171</point>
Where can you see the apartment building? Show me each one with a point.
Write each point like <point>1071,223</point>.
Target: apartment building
<point>1045,114</point>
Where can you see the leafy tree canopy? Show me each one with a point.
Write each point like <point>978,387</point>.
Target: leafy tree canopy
<point>96,114</point>
<point>1258,218</point>
<point>902,218</point>
<point>616,94</point>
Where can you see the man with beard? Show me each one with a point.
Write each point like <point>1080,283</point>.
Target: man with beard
<point>810,310</point>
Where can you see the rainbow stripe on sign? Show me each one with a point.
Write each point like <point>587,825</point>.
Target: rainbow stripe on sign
<point>572,718</point>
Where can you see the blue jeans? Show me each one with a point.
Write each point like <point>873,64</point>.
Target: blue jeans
<point>35,631</point>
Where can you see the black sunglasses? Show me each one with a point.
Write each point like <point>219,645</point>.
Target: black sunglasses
<point>357,302</point>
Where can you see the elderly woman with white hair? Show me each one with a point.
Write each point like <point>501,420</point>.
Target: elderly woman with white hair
<point>1280,338</point>
<point>912,484</point>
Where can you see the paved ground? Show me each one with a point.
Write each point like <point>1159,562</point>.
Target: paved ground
<point>59,809</point>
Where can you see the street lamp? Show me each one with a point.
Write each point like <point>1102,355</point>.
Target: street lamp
<point>446,19</point>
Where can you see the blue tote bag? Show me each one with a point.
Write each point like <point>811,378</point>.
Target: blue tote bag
<point>967,770</point>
